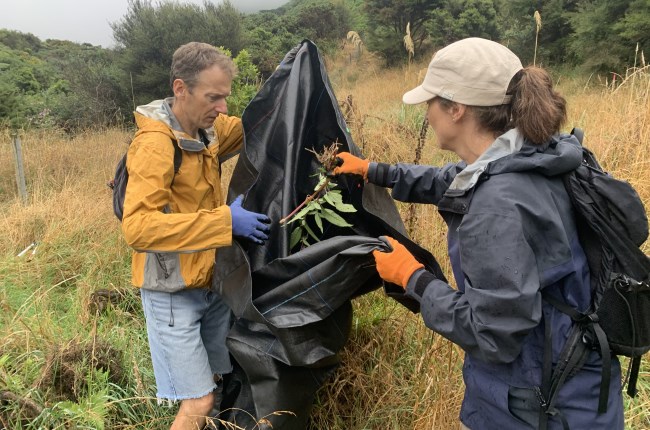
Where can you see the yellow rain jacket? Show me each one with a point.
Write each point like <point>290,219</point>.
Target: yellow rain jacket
<point>175,222</point>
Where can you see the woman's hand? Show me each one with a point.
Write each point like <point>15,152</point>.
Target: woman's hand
<point>397,265</point>
<point>351,164</point>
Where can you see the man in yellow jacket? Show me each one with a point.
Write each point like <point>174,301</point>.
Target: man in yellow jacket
<point>175,221</point>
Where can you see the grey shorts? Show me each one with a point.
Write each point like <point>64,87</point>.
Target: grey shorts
<point>187,338</point>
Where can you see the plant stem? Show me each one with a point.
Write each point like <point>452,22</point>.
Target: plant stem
<point>307,200</point>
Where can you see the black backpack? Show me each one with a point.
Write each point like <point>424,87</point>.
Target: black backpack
<point>612,225</point>
<point>121,178</point>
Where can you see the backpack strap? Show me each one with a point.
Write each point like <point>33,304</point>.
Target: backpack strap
<point>635,364</point>
<point>578,133</point>
<point>178,159</point>
<point>584,321</point>
<point>178,156</point>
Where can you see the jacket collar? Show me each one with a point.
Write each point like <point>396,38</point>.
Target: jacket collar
<point>506,144</point>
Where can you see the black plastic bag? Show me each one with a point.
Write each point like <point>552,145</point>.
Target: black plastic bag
<point>292,307</point>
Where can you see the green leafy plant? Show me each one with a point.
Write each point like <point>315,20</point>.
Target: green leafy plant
<point>90,410</point>
<point>324,204</point>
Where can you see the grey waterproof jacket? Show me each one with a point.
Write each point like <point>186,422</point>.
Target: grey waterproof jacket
<point>511,234</point>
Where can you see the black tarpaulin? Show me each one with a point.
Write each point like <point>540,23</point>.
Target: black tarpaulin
<point>292,306</point>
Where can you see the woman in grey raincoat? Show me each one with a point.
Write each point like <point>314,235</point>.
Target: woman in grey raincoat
<point>511,235</point>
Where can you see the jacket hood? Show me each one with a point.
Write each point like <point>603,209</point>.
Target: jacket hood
<point>560,155</point>
<point>510,152</point>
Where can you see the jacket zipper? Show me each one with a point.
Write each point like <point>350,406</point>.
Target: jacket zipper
<point>162,265</point>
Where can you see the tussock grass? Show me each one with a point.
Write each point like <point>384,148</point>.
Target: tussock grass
<point>395,373</point>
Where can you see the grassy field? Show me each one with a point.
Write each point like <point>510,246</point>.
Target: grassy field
<point>74,353</point>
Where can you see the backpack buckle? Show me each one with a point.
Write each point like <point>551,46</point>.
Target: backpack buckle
<point>622,281</point>
<point>593,317</point>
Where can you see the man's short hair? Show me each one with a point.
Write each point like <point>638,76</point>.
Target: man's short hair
<point>192,58</point>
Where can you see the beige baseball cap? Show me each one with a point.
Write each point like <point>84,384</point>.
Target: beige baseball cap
<point>473,71</point>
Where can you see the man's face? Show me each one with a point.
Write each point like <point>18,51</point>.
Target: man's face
<point>203,103</point>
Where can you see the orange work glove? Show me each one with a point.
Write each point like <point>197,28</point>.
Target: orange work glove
<point>352,164</point>
<point>398,265</point>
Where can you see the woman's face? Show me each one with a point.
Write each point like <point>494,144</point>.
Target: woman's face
<point>441,121</point>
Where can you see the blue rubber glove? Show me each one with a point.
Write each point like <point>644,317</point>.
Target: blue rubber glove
<point>248,225</point>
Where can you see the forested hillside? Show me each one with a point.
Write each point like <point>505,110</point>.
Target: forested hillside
<point>76,86</point>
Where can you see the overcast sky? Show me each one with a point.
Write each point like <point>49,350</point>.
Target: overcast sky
<point>85,20</point>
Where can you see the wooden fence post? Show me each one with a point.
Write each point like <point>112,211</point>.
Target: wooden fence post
<point>20,170</point>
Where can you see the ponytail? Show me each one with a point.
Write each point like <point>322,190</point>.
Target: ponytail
<point>537,110</point>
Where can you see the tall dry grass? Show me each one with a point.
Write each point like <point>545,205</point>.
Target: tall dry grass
<point>66,181</point>
<point>616,120</point>
<point>396,374</point>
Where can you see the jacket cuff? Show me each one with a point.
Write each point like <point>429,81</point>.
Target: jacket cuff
<point>380,174</point>
<point>418,283</point>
